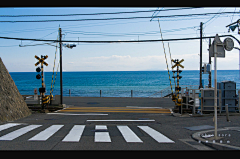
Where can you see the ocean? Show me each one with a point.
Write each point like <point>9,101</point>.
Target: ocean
<point>114,83</point>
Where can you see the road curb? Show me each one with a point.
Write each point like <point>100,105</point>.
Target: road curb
<point>217,146</point>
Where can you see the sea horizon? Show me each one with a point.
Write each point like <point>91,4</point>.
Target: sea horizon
<point>115,83</point>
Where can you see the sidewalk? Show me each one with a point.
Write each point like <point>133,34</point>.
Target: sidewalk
<point>228,138</point>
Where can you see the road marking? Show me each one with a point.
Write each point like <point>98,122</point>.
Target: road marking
<point>121,120</point>
<point>19,132</point>
<point>128,134</point>
<point>75,134</point>
<point>143,107</point>
<point>9,125</point>
<point>128,109</point>
<point>156,135</point>
<point>45,134</point>
<point>76,114</point>
<point>102,137</point>
<point>100,127</point>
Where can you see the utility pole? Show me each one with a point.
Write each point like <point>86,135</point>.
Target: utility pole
<point>200,83</point>
<point>210,73</point>
<point>60,44</point>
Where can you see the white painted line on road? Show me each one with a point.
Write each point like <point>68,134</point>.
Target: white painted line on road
<point>128,134</point>
<point>156,135</point>
<point>19,132</point>
<point>75,134</point>
<point>9,125</point>
<point>102,127</point>
<point>121,120</point>
<point>76,114</point>
<point>102,137</point>
<point>45,134</point>
<point>143,107</point>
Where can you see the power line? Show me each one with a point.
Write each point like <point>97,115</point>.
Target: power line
<point>51,15</point>
<point>132,41</point>
<point>125,34</point>
<point>119,18</point>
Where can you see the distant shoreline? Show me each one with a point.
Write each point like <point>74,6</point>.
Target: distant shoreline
<point>124,71</point>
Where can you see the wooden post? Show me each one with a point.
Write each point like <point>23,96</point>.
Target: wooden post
<point>69,92</point>
<point>100,93</point>
<point>131,93</point>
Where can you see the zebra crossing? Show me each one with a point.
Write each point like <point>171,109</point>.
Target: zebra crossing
<point>101,133</point>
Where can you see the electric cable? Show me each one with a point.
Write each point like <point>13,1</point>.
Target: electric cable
<point>116,18</point>
<point>51,15</point>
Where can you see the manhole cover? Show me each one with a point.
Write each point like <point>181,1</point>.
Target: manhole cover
<point>92,103</point>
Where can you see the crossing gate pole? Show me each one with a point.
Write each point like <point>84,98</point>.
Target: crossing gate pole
<point>42,84</point>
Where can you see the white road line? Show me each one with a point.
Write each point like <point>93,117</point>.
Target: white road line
<point>102,127</point>
<point>122,120</point>
<point>75,134</point>
<point>156,135</point>
<point>128,134</point>
<point>9,125</point>
<point>102,137</point>
<point>45,134</point>
<point>75,114</point>
<point>143,107</point>
<point>19,132</point>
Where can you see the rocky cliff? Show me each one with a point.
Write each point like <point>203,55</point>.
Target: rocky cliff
<point>12,104</point>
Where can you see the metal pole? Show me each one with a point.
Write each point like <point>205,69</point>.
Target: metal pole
<point>69,92</point>
<point>100,93</point>
<point>210,73</point>
<point>42,83</point>
<point>226,108</point>
<point>60,44</point>
<point>239,101</point>
<point>131,93</point>
<point>200,83</point>
<point>215,90</point>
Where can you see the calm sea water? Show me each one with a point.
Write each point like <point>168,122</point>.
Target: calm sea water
<point>114,83</point>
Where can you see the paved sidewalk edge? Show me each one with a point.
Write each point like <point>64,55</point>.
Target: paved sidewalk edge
<point>217,146</point>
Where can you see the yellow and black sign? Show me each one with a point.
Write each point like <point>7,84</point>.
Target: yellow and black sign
<point>41,60</point>
<point>177,63</point>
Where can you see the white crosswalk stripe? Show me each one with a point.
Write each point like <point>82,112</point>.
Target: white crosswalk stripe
<point>19,132</point>
<point>9,125</point>
<point>74,135</point>
<point>156,135</point>
<point>45,134</point>
<point>101,136</point>
<point>128,134</point>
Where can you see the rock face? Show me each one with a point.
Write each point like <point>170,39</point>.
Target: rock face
<point>12,104</point>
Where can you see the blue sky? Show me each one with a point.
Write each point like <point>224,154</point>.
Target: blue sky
<point>114,56</point>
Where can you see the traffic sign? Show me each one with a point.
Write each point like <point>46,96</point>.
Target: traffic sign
<point>41,60</point>
<point>219,46</point>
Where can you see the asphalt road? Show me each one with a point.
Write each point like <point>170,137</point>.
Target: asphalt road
<point>105,130</point>
<point>170,126</point>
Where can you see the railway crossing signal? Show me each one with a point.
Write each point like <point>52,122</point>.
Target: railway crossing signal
<point>177,89</point>
<point>42,89</point>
